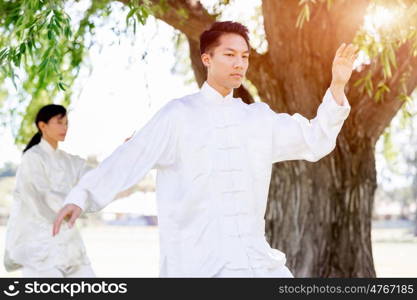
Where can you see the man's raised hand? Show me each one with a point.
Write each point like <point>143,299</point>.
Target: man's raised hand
<point>70,213</point>
<point>343,64</point>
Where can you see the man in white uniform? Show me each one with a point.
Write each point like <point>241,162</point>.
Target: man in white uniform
<point>213,154</point>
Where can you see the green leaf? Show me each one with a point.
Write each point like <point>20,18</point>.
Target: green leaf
<point>61,86</point>
<point>3,53</point>
<point>43,64</point>
<point>131,13</point>
<point>50,35</point>
<point>67,32</point>
<point>22,48</point>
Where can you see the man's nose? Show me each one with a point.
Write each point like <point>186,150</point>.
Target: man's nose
<point>238,63</point>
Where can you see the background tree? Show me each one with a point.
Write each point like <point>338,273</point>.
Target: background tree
<point>318,214</point>
<point>9,169</point>
<point>399,163</point>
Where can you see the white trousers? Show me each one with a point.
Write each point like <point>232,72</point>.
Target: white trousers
<point>83,271</point>
<point>280,272</point>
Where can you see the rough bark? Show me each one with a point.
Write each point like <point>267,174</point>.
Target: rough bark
<point>319,213</point>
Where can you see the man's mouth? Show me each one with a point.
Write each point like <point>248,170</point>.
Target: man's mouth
<point>237,75</point>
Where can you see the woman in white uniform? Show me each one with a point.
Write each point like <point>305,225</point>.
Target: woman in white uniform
<point>44,178</point>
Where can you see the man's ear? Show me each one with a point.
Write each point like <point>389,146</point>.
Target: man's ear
<point>205,58</point>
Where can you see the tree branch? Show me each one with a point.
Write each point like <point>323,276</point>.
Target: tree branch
<point>302,57</point>
<point>371,117</point>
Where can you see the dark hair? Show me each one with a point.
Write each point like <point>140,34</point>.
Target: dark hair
<point>46,113</point>
<point>210,37</point>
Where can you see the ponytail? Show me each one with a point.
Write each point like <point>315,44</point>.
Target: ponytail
<point>36,139</point>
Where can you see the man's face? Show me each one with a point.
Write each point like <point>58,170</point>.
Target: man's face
<point>228,62</point>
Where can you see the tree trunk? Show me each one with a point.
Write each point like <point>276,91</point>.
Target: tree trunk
<point>319,214</point>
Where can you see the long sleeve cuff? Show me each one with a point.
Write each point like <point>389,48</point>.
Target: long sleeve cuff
<point>336,111</point>
<point>77,196</point>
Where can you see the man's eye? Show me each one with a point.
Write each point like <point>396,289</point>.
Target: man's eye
<point>229,54</point>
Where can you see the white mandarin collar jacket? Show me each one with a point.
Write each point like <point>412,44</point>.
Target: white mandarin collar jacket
<point>213,157</point>
<point>45,176</point>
